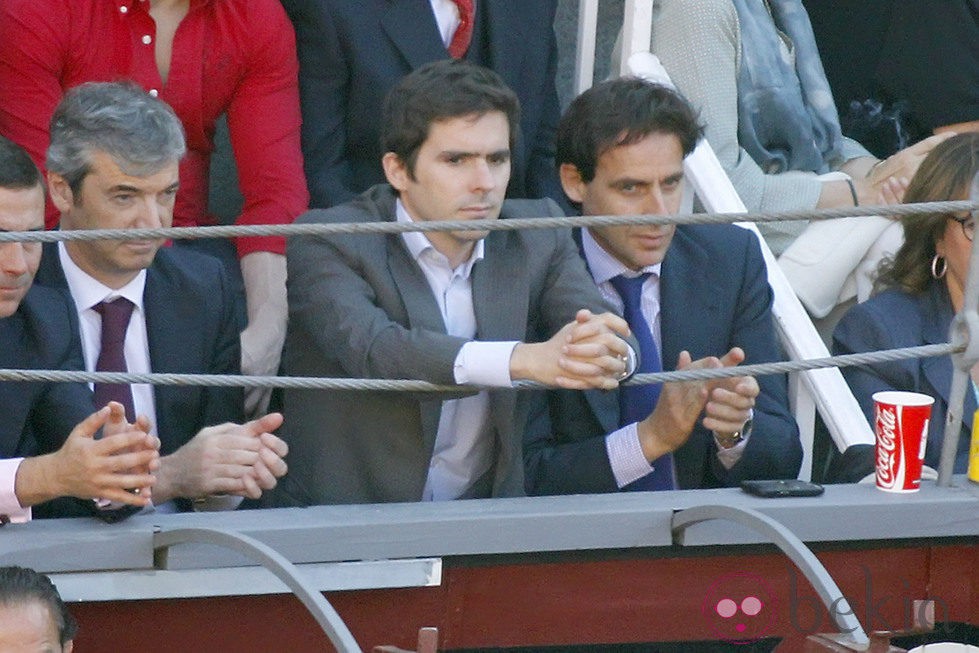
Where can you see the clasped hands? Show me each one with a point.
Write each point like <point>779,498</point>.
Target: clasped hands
<point>589,352</point>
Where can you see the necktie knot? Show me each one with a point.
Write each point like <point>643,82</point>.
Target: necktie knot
<point>630,290</point>
<point>115,319</point>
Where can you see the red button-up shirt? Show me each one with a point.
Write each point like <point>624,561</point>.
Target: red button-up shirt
<point>234,56</point>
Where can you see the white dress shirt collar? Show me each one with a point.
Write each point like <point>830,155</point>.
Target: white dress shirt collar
<point>88,291</point>
<point>418,245</point>
<point>446,18</point>
<point>604,266</point>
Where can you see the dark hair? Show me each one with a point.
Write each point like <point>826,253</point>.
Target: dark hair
<point>440,90</point>
<point>622,111</point>
<point>945,174</point>
<point>141,133</point>
<point>19,585</point>
<point>17,171</point>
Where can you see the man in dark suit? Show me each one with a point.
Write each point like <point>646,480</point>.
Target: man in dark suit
<point>113,163</point>
<point>352,53</point>
<point>694,291</point>
<point>52,417</point>
<point>445,307</point>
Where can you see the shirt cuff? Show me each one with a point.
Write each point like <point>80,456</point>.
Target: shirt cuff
<point>730,457</point>
<point>485,363</point>
<point>625,455</point>
<point>10,508</point>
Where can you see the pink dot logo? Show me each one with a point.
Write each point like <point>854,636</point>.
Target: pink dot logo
<point>740,608</point>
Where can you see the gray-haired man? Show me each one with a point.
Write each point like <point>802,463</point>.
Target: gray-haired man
<point>113,163</point>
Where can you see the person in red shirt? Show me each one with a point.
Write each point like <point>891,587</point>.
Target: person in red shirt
<point>204,58</point>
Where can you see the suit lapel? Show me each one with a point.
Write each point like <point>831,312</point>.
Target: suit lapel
<point>687,302</point>
<point>416,295</point>
<point>420,306</point>
<point>415,36</point>
<point>687,307</point>
<point>604,404</point>
<point>167,319</point>
<point>500,292</point>
<point>501,27</point>
<point>49,272</point>
<point>937,370</point>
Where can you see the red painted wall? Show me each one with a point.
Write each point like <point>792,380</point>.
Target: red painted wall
<point>626,597</point>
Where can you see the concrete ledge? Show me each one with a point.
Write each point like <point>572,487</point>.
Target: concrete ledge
<point>332,534</point>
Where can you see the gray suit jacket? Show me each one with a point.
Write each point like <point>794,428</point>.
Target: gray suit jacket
<point>359,306</point>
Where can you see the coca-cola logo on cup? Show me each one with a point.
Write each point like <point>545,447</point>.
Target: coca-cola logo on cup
<point>886,446</point>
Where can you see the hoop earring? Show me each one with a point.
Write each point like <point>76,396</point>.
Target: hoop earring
<point>938,266</point>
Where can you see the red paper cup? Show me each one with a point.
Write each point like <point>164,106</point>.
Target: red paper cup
<point>901,425</point>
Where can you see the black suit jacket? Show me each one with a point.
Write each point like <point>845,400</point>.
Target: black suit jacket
<point>352,53</point>
<point>192,327</point>
<point>714,295</point>
<point>37,417</point>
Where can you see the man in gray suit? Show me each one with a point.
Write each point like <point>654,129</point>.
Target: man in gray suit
<point>446,307</point>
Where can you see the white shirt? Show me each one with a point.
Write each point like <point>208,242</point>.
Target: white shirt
<point>624,450</point>
<point>87,293</point>
<point>464,442</point>
<point>447,18</point>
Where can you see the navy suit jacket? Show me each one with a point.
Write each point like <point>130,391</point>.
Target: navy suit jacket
<point>351,53</point>
<point>714,295</point>
<point>893,319</point>
<point>192,327</point>
<point>37,416</point>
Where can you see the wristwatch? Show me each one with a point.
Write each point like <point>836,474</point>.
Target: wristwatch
<point>730,440</point>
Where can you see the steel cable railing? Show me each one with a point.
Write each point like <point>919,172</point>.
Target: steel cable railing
<point>511,224</point>
<point>965,352</point>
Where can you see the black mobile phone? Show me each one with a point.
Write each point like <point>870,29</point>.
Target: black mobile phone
<point>782,488</point>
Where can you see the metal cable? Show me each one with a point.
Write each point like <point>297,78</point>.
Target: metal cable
<point>400,385</point>
<point>510,224</point>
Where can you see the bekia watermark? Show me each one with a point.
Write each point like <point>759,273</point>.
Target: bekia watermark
<point>742,607</point>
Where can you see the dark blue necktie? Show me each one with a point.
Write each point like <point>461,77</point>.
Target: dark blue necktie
<point>636,402</point>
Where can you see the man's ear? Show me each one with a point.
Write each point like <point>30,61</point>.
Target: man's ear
<point>61,194</point>
<point>574,186</point>
<point>395,171</point>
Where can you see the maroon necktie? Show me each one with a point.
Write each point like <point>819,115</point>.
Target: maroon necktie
<point>112,357</point>
<point>464,33</point>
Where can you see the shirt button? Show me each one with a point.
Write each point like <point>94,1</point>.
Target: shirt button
<point>123,9</point>
<point>147,39</point>
<point>154,92</point>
